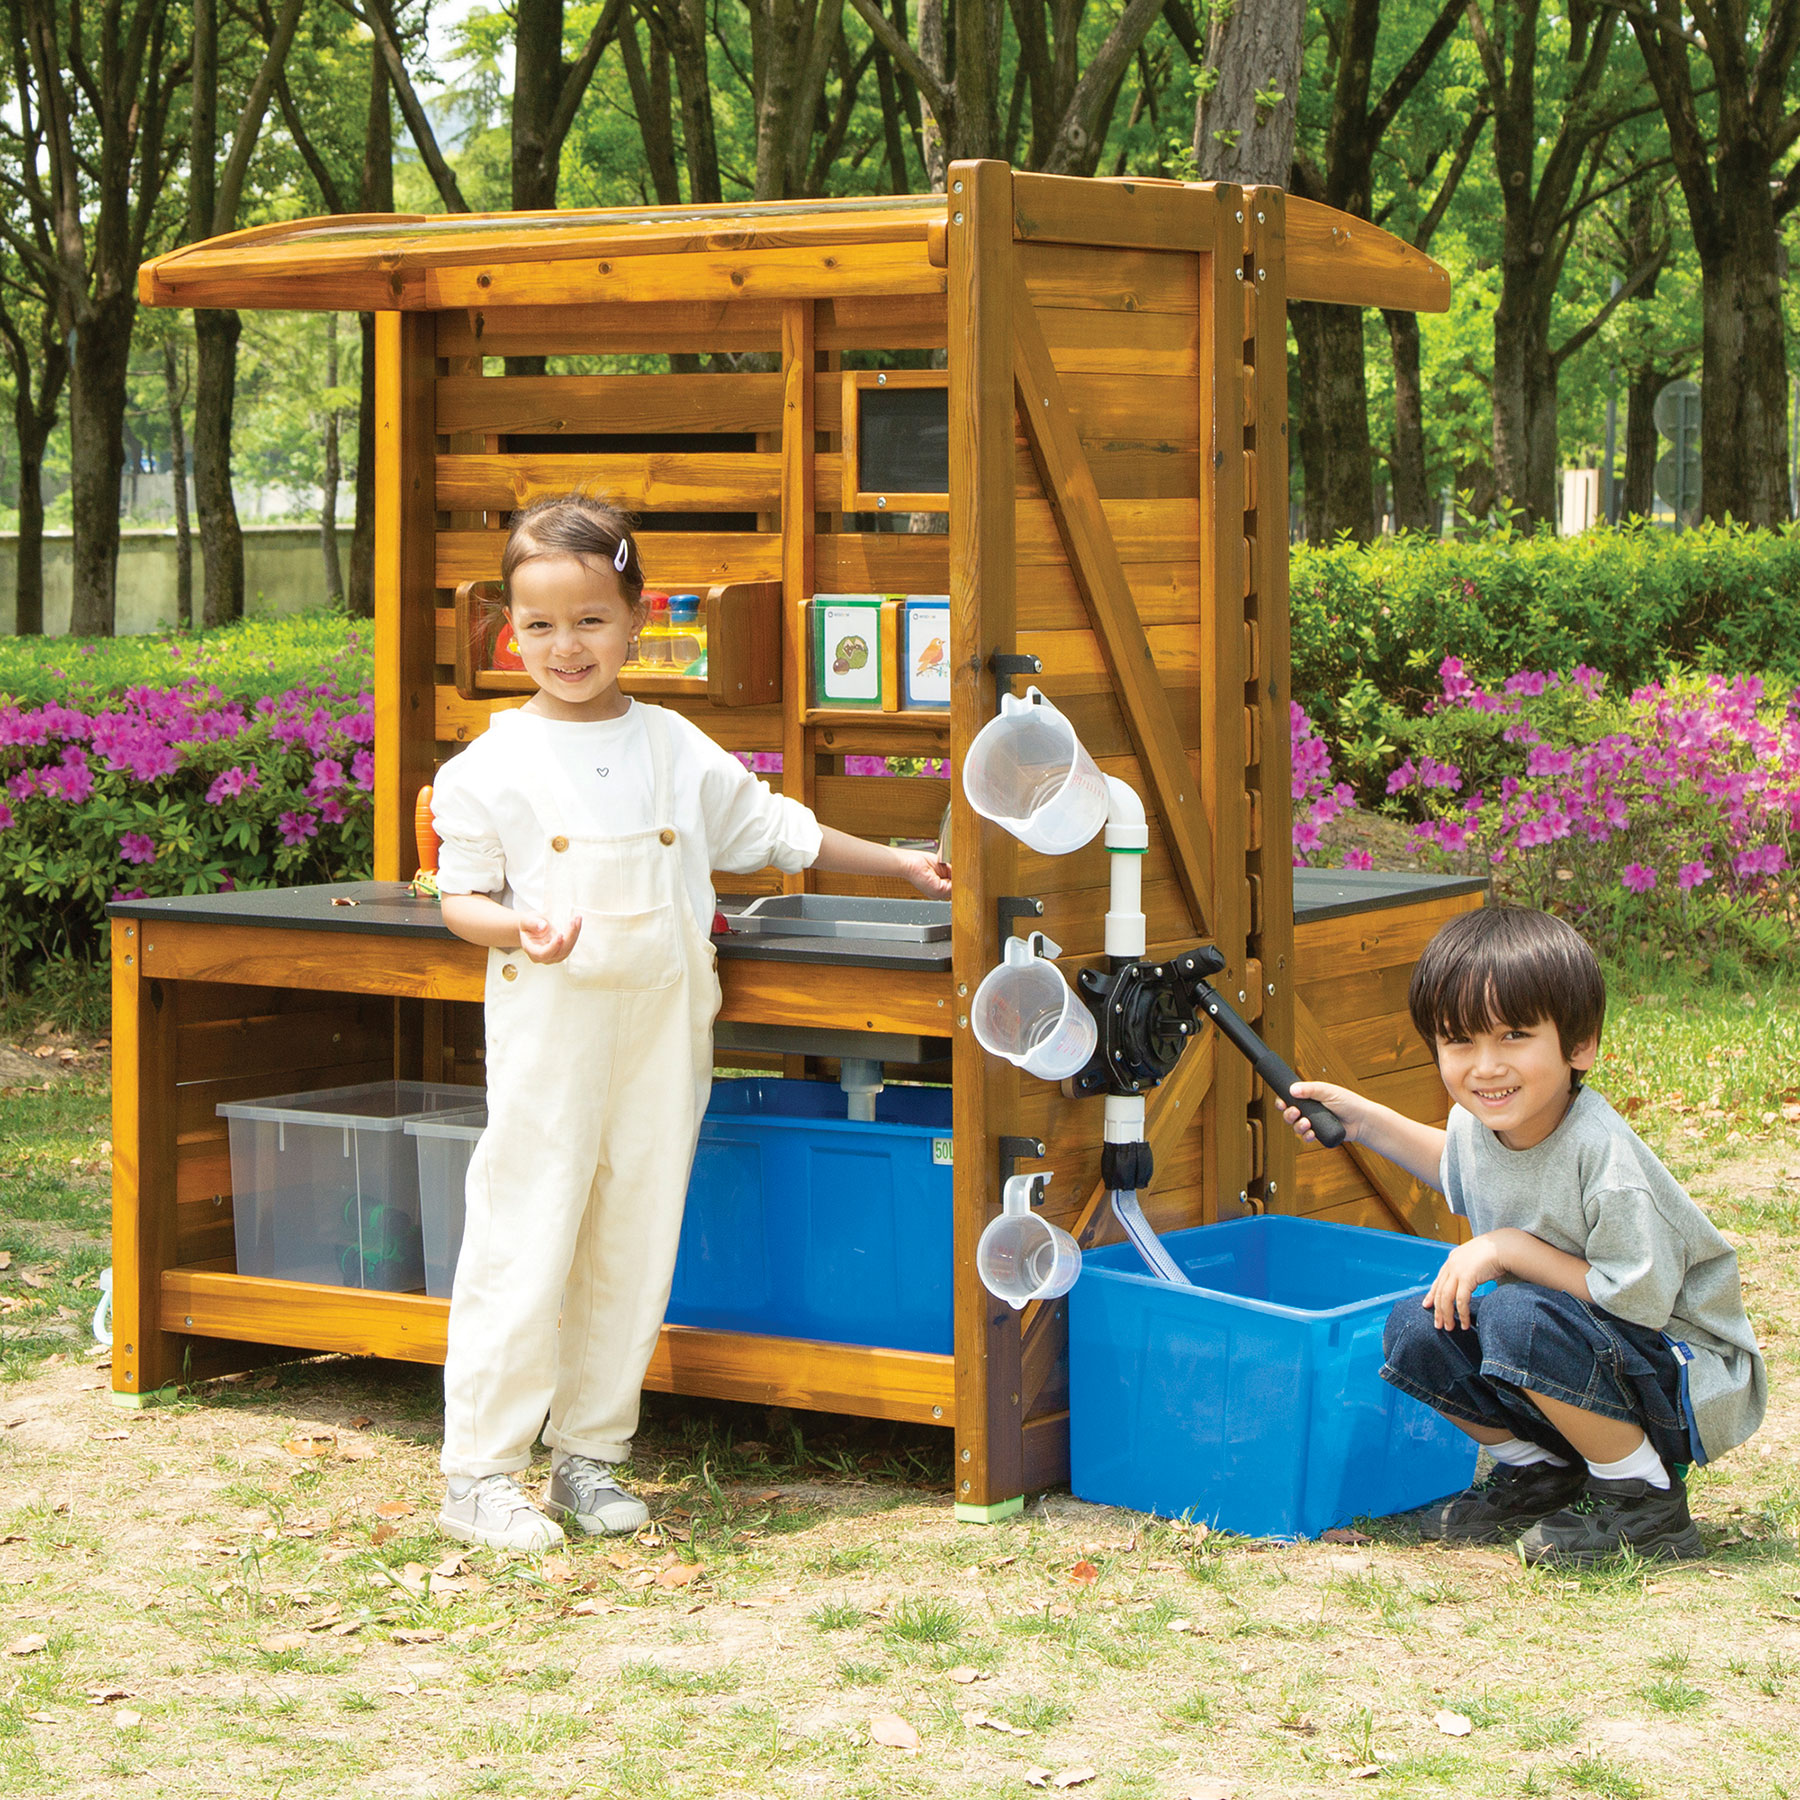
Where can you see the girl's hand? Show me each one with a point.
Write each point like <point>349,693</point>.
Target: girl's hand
<point>925,872</point>
<point>544,942</point>
<point>1464,1270</point>
<point>1349,1106</point>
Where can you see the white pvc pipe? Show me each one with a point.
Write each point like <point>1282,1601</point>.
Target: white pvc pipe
<point>1127,838</point>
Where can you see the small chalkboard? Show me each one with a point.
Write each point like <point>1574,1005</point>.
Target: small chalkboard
<point>897,435</point>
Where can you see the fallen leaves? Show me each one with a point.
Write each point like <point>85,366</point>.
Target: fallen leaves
<point>893,1731</point>
<point>1210,1787</point>
<point>418,1634</point>
<point>1084,1574</point>
<point>1452,1724</point>
<point>1344,1534</point>
<point>962,1675</point>
<point>127,1720</point>
<point>981,1721</point>
<point>28,1645</point>
<point>282,1643</point>
<point>1067,1778</point>
<point>311,1440</point>
<point>395,1509</point>
<point>678,1575</point>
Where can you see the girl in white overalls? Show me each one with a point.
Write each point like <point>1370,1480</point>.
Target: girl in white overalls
<point>579,833</point>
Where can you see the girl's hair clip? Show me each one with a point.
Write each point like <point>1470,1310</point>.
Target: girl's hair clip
<point>622,555</point>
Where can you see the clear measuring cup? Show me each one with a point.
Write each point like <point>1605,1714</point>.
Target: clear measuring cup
<point>1022,1257</point>
<point>1026,1012</point>
<point>1027,771</point>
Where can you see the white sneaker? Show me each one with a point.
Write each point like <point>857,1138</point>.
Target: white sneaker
<point>585,1491</point>
<point>495,1511</point>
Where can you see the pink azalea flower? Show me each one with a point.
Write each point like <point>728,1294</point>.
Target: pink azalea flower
<point>6,816</point>
<point>328,776</point>
<point>137,847</point>
<point>332,812</point>
<point>1690,875</point>
<point>1358,859</point>
<point>1637,879</point>
<point>297,827</point>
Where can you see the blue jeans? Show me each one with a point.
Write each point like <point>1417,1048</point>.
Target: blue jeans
<point>1525,1336</point>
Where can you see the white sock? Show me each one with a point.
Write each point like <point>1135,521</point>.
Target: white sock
<point>1643,1464</point>
<point>1518,1454</point>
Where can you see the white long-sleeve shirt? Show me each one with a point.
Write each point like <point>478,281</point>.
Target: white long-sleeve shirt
<point>493,842</point>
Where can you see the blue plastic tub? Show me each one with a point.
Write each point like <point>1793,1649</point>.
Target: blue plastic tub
<point>803,1223</point>
<point>1253,1400</point>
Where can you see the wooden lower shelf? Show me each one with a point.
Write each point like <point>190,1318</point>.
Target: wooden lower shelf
<point>869,1382</point>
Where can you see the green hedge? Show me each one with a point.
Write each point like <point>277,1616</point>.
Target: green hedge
<point>1631,603</point>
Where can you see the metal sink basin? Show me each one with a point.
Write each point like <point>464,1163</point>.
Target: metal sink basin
<point>845,916</point>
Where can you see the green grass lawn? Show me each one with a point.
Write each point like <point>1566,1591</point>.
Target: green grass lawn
<point>241,1592</point>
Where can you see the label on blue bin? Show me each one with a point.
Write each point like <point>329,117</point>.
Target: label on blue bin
<point>943,1151</point>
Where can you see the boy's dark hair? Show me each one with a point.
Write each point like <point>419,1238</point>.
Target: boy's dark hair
<point>1508,965</point>
<point>574,524</point>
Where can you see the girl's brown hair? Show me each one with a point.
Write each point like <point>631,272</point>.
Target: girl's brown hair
<point>573,525</point>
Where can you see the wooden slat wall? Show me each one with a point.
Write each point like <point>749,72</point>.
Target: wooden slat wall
<point>476,483</point>
<point>1352,974</point>
<point>1125,334</point>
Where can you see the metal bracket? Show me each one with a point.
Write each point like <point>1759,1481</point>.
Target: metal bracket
<point>1013,1150</point>
<point>1012,907</point>
<point>1006,668</point>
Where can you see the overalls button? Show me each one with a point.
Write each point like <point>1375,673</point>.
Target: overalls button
<point>509,972</point>
<point>559,843</point>
<point>666,835</point>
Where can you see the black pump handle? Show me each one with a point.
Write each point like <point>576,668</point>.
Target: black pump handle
<point>1327,1127</point>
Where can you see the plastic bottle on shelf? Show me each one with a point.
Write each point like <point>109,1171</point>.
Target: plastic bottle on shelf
<point>653,638</point>
<point>687,635</point>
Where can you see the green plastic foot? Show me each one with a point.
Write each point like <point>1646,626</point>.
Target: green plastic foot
<point>989,1515</point>
<point>138,1402</point>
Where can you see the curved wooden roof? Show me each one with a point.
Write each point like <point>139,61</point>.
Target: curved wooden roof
<point>375,262</point>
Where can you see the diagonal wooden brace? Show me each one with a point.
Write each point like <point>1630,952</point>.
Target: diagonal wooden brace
<point>1068,483</point>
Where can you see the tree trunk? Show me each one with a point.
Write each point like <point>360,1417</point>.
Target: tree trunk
<point>102,365</point>
<point>33,422</point>
<point>934,54</point>
<point>537,86</point>
<point>652,96</point>
<point>1251,48</point>
<point>1412,491</point>
<point>328,537</point>
<point>174,395</point>
<point>1642,441</point>
<point>1743,371</point>
<point>377,196</point>
<point>685,31</point>
<point>1334,437</point>
<point>221,536</point>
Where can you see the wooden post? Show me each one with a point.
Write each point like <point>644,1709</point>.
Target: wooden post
<point>989,1471</point>
<point>405,597</point>
<point>1266,609</point>
<point>798,522</point>
<point>1225,751</point>
<point>143,1092</point>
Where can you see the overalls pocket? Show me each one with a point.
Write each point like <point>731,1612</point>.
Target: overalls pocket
<point>626,953</point>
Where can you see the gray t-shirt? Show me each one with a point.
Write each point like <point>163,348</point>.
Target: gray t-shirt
<point>1594,1189</point>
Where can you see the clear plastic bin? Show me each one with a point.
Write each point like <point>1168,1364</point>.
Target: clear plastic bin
<point>326,1185</point>
<point>1253,1400</point>
<point>444,1147</point>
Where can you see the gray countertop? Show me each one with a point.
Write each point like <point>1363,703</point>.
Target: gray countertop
<point>388,908</point>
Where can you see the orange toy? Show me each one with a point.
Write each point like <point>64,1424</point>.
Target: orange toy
<point>424,882</point>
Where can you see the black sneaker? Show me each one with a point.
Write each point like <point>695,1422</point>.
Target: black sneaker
<point>1652,1521</point>
<point>1496,1510</point>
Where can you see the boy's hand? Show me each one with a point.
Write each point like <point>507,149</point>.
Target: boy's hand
<point>925,872</point>
<point>544,942</point>
<point>1463,1271</point>
<point>1351,1107</point>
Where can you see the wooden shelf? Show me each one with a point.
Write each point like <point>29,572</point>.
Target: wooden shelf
<point>868,1381</point>
<point>743,642</point>
<point>916,718</point>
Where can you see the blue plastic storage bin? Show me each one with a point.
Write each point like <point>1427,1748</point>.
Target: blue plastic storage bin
<point>1253,1400</point>
<point>804,1223</point>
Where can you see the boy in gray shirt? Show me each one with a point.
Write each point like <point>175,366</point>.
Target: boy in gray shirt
<point>1614,1344</point>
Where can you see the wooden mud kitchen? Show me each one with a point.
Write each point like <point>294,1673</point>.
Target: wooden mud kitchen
<point>768,388</point>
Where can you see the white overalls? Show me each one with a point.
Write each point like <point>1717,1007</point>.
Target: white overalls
<point>598,1073</point>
